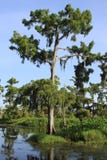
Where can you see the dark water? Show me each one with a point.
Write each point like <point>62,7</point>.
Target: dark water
<point>13,146</point>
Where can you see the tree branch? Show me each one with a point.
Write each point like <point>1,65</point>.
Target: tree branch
<point>67,56</point>
<point>64,49</point>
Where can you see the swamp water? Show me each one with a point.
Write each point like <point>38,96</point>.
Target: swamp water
<point>13,146</point>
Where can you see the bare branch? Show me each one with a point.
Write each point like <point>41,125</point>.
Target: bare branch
<point>64,49</point>
<point>61,37</point>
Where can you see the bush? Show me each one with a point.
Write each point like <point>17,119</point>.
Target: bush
<point>94,123</point>
<point>95,128</point>
<point>83,114</point>
<point>93,136</point>
<point>73,129</point>
<point>31,122</point>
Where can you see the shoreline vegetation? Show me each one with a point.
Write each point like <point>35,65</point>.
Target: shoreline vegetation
<point>81,132</point>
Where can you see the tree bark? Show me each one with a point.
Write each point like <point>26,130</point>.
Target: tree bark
<point>51,128</point>
<point>53,69</point>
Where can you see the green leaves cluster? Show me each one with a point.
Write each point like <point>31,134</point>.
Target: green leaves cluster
<point>54,27</point>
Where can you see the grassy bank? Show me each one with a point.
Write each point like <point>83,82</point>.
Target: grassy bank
<point>46,139</point>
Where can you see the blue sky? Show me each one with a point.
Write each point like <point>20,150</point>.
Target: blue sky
<point>11,14</point>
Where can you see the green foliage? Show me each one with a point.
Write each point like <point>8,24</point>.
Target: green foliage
<point>54,27</point>
<point>31,122</point>
<point>94,136</point>
<point>12,81</point>
<point>10,112</point>
<point>38,95</point>
<point>11,92</point>
<point>94,123</point>
<point>1,89</point>
<point>46,139</point>
<point>73,129</point>
<point>26,46</point>
<point>83,114</point>
<point>86,130</point>
<point>89,130</point>
<point>103,67</point>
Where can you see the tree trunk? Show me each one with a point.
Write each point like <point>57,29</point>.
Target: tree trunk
<point>51,128</point>
<point>53,69</point>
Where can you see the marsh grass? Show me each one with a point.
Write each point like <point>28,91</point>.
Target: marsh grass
<point>46,139</point>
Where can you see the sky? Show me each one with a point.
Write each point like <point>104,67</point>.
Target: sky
<point>11,14</point>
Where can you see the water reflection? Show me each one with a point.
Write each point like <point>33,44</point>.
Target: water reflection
<point>10,135</point>
<point>48,155</point>
<point>68,153</point>
<point>14,147</point>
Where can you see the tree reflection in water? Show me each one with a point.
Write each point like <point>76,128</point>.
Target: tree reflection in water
<point>10,135</point>
<point>51,154</point>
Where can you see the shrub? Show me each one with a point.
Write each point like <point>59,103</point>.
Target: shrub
<point>83,113</point>
<point>94,123</point>
<point>93,136</point>
<point>73,129</point>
